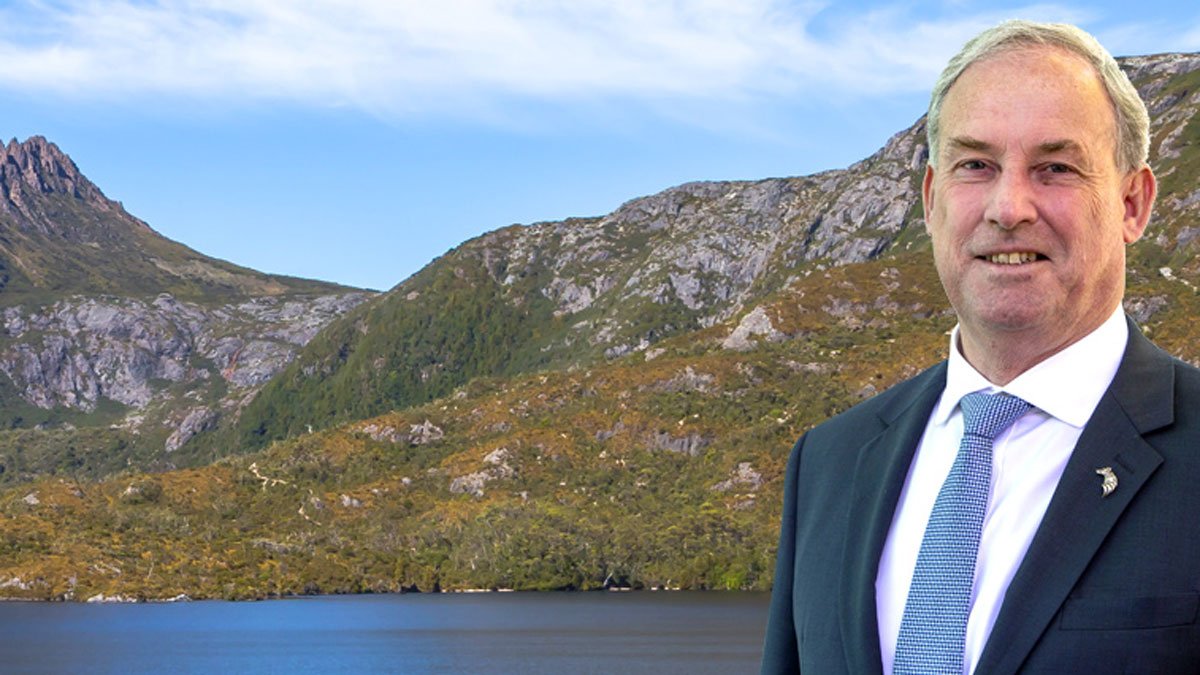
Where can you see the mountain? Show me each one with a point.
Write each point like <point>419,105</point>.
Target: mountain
<point>606,402</point>
<point>60,235</point>
<point>117,344</point>
<point>574,293</point>
<point>568,294</point>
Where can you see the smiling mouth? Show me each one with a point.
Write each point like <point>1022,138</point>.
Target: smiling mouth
<point>1015,258</point>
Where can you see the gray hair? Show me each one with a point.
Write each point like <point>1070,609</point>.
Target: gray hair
<point>1133,122</point>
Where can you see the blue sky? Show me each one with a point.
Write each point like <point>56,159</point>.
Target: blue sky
<point>356,141</point>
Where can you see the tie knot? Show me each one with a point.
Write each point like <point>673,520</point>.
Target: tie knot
<point>988,415</point>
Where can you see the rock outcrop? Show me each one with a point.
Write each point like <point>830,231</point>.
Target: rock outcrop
<point>82,351</point>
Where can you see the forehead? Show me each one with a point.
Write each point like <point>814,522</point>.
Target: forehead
<point>1030,94</point>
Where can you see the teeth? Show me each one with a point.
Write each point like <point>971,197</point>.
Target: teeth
<point>1012,258</point>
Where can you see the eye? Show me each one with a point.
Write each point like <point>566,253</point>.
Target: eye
<point>973,165</point>
<point>1058,168</point>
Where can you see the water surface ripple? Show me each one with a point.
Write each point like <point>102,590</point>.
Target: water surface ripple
<point>534,633</point>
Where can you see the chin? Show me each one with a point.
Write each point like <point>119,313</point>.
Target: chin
<point>1012,320</point>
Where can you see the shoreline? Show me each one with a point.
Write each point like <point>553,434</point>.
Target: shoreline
<point>102,599</point>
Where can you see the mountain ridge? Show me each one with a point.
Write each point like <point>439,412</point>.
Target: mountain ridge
<point>582,289</point>
<point>589,289</point>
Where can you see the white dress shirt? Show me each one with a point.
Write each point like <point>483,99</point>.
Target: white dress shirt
<point>1027,461</point>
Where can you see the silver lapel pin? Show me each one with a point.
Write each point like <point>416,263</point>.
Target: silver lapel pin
<point>1110,480</point>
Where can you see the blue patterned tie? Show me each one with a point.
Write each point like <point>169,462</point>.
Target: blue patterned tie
<point>933,630</point>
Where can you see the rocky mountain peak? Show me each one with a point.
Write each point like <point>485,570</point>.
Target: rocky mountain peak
<point>59,233</point>
<point>101,316</point>
<point>39,165</point>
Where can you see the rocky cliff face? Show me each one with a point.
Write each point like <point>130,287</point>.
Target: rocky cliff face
<point>181,363</point>
<point>701,251</point>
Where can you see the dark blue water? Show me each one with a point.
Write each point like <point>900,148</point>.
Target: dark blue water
<point>532,633</point>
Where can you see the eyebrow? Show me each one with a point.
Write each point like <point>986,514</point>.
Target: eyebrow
<point>1065,144</point>
<point>1046,148</point>
<point>969,143</point>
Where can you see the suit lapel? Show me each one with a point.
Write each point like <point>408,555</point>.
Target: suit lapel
<point>879,479</point>
<point>1079,518</point>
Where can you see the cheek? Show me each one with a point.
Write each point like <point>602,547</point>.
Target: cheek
<point>950,232</point>
<point>1100,232</point>
<point>939,238</point>
<point>958,210</point>
<point>948,265</point>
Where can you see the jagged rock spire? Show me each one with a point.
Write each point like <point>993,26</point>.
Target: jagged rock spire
<point>37,168</point>
<point>38,164</point>
<point>59,232</point>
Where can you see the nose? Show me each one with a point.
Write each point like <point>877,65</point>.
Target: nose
<point>1011,203</point>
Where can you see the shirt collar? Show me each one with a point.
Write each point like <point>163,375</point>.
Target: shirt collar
<point>1067,385</point>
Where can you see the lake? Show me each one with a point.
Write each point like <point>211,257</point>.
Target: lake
<point>535,633</point>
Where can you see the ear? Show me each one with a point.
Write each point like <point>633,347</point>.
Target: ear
<point>1138,197</point>
<point>927,194</point>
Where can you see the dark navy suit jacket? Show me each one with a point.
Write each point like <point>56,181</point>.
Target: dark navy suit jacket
<point>1109,584</point>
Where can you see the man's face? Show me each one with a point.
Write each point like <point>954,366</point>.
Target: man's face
<point>1027,210</point>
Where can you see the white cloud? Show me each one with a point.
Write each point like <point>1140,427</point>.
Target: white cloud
<point>1152,37</point>
<point>399,57</point>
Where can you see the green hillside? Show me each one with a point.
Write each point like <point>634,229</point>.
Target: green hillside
<point>659,472</point>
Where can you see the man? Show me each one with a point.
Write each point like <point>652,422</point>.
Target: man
<point>1073,545</point>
